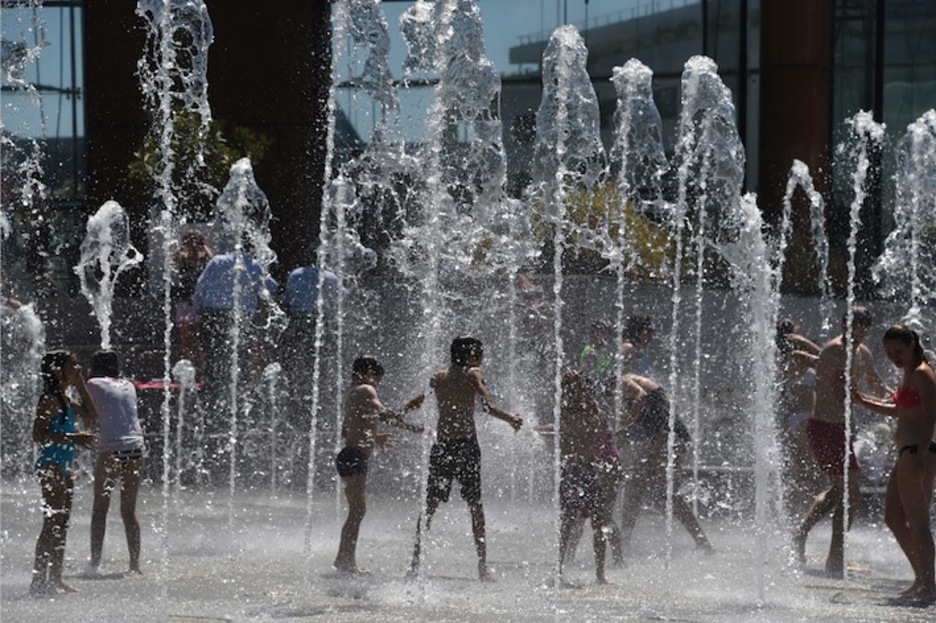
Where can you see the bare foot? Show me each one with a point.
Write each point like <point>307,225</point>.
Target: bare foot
<point>911,590</point>
<point>483,573</point>
<point>799,544</point>
<point>834,573</point>
<point>705,547</point>
<point>351,570</point>
<point>39,589</point>
<point>61,588</point>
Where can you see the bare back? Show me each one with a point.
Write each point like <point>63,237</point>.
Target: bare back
<point>359,427</point>
<point>456,389</point>
<point>581,423</point>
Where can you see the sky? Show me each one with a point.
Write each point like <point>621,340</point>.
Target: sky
<point>505,21</point>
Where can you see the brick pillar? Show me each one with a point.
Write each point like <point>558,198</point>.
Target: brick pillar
<point>796,56</point>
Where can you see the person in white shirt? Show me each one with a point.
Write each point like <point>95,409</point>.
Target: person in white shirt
<point>120,454</point>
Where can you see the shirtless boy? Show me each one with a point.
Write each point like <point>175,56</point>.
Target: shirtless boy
<point>826,431</point>
<point>581,492</point>
<point>456,455</point>
<point>362,412</point>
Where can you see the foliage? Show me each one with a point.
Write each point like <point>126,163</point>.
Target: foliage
<point>200,164</point>
<point>601,223</point>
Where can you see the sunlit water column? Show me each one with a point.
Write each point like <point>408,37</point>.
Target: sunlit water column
<point>339,27</point>
<point>710,173</point>
<point>184,374</point>
<point>359,24</point>
<point>242,217</point>
<point>641,160</point>
<point>756,272</point>
<point>800,178</point>
<point>568,157</point>
<point>906,269</point>
<point>432,23</point>
<point>865,135</point>
<point>173,80</point>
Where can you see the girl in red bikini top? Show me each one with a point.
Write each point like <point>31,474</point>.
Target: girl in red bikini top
<point>906,397</point>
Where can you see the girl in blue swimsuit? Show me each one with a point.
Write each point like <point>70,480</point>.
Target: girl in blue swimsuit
<point>56,432</point>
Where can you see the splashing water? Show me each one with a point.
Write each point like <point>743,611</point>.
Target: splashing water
<point>710,171</point>
<point>800,178</point>
<point>568,157</point>
<point>106,252</point>
<point>906,270</point>
<point>865,136</point>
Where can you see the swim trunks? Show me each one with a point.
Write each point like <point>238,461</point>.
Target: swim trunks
<point>351,461</point>
<point>455,459</point>
<point>580,489</point>
<point>827,442</point>
<point>653,419</point>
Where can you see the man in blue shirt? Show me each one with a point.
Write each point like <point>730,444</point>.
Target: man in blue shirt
<point>228,292</point>
<point>302,289</point>
<point>297,344</point>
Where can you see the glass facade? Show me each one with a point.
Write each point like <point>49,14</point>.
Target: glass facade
<point>43,144</point>
<point>884,60</point>
<point>42,86</point>
<point>884,63</point>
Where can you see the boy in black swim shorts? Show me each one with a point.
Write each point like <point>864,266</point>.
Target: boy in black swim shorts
<point>362,412</point>
<point>456,455</point>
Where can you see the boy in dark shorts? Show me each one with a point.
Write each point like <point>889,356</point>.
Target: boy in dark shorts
<point>362,412</point>
<point>581,491</point>
<point>456,454</point>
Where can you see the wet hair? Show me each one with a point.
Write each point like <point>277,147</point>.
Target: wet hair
<point>52,362</point>
<point>105,363</point>
<point>194,236</point>
<point>364,364</point>
<point>464,347</point>
<point>635,326</point>
<point>861,317</point>
<point>602,325</point>
<point>903,333</point>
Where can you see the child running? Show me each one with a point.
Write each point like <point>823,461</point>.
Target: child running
<point>456,455</point>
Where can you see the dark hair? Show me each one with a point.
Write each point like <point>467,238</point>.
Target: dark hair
<point>52,362</point>
<point>464,347</point>
<point>105,363</point>
<point>903,333</point>
<point>364,364</point>
<point>861,317</point>
<point>635,326</point>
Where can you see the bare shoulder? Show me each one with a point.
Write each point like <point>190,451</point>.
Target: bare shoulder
<point>924,376</point>
<point>476,375</point>
<point>362,392</point>
<point>47,406</point>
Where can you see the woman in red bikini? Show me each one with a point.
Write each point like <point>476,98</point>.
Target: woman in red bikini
<point>910,488</point>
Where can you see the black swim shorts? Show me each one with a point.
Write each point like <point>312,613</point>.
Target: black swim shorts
<point>455,459</point>
<point>580,491</point>
<point>351,461</point>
